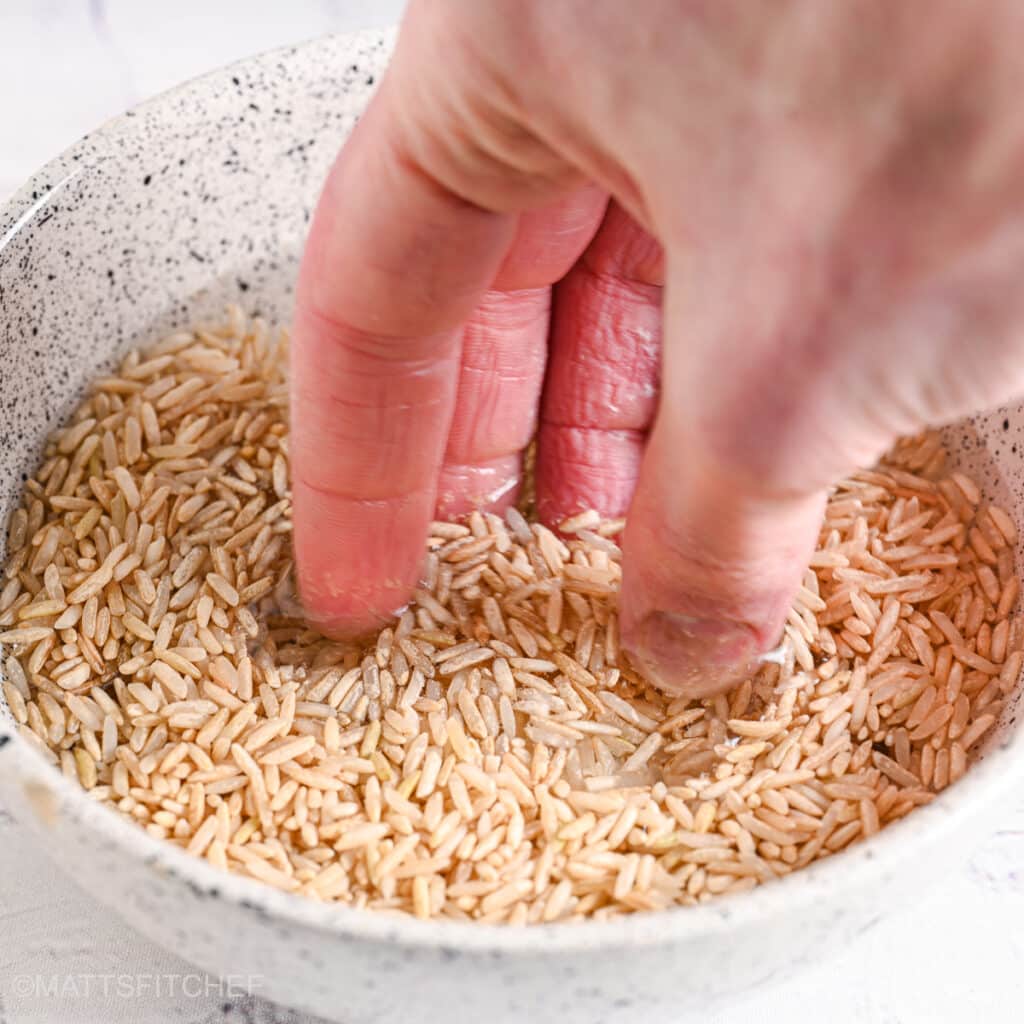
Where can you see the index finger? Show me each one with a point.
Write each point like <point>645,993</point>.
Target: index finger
<point>393,266</point>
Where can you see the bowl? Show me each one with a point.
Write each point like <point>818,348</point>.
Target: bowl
<point>201,197</point>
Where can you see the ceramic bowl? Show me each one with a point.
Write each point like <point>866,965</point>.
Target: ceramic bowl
<point>200,197</point>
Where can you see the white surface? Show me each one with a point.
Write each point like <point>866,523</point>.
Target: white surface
<point>65,960</point>
<point>67,65</point>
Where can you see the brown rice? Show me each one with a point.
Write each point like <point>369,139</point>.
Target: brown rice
<point>491,756</point>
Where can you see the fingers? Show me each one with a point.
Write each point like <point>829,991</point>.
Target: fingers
<point>504,348</point>
<point>711,566</point>
<point>394,264</point>
<point>711,558</point>
<point>711,561</point>
<point>602,385</point>
<point>504,351</point>
<point>730,494</point>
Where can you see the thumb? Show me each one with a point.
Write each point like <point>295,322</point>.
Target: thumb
<point>733,483</point>
<point>711,566</point>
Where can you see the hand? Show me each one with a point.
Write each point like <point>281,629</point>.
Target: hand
<point>812,245</point>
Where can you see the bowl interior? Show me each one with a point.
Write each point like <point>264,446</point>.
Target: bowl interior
<point>202,197</point>
<point>197,198</point>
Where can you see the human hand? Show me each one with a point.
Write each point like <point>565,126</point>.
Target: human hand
<point>811,248</point>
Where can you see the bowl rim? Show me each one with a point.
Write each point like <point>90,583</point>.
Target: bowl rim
<point>861,865</point>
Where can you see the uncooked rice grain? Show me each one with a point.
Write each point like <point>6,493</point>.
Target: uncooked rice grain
<point>491,755</point>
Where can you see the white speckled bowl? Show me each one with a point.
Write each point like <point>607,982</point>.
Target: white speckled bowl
<point>202,196</point>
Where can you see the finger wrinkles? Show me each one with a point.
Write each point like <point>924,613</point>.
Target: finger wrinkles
<point>601,392</point>
<point>586,467</point>
<point>503,356</point>
<point>504,351</point>
<point>608,336</point>
<point>367,406</point>
<point>340,443</point>
<point>491,483</point>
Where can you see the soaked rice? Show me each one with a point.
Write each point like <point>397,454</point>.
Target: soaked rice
<point>491,755</point>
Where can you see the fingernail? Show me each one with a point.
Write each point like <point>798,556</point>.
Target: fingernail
<point>691,656</point>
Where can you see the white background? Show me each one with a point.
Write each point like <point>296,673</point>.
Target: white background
<point>68,65</point>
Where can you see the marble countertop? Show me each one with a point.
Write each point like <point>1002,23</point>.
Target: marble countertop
<point>67,65</point>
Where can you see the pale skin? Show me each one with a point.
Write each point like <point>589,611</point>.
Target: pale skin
<point>714,255</point>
